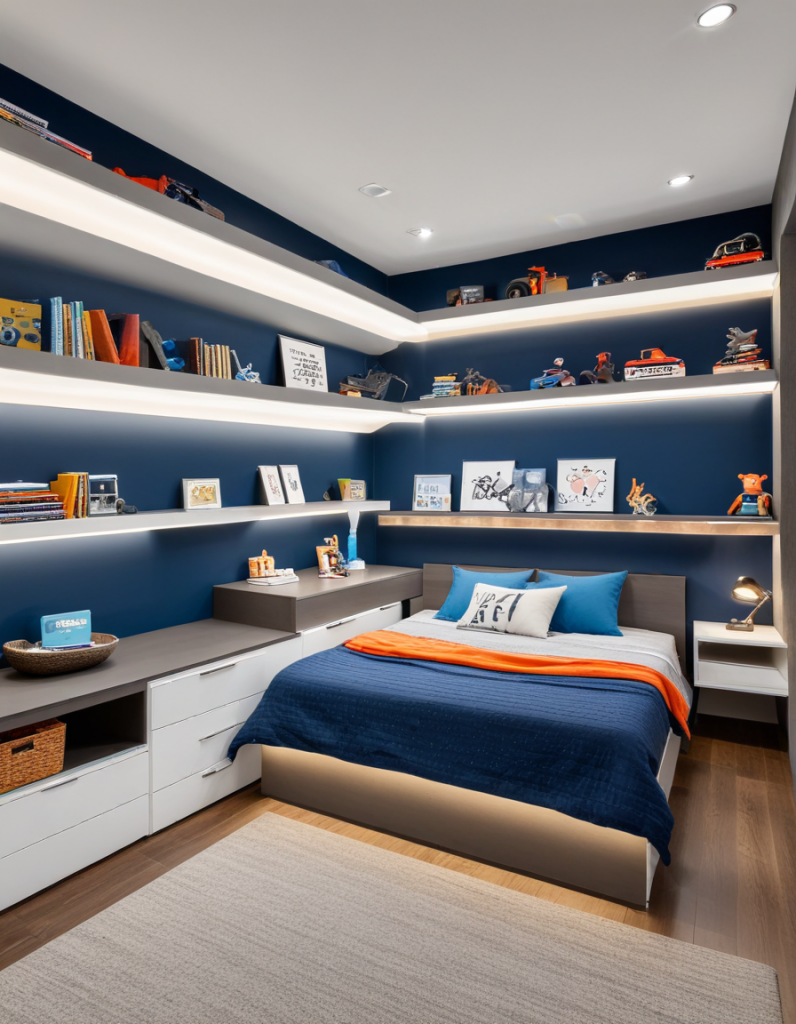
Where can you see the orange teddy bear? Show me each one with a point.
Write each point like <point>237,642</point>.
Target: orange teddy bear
<point>754,501</point>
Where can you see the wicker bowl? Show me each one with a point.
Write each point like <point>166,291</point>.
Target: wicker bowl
<point>27,657</point>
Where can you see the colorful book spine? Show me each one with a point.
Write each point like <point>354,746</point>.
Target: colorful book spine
<point>57,326</point>
<point>26,115</point>
<point>87,336</point>
<point>78,350</point>
<point>68,340</point>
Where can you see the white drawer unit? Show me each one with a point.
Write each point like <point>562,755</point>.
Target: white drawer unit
<point>43,809</point>
<point>211,686</point>
<point>187,748</point>
<point>747,662</point>
<point>205,787</point>
<point>321,638</point>
<point>44,863</point>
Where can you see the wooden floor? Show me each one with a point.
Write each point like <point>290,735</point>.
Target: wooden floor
<point>731,886</point>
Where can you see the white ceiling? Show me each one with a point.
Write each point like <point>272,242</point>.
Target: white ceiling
<point>486,120</point>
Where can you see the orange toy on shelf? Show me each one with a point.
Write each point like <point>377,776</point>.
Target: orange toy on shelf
<point>754,501</point>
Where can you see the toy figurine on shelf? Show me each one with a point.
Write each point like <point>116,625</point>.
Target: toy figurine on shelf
<point>246,372</point>
<point>642,504</point>
<point>475,383</point>
<point>537,281</point>
<point>373,385</point>
<point>263,572</point>
<point>746,248</point>
<point>600,278</point>
<point>654,363</point>
<point>330,559</point>
<point>603,372</point>
<point>635,275</point>
<point>555,377</point>
<point>742,353</point>
<point>754,501</point>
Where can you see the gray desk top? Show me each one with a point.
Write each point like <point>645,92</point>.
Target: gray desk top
<point>311,585</point>
<point>137,659</point>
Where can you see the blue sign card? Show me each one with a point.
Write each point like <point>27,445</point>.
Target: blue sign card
<point>72,629</point>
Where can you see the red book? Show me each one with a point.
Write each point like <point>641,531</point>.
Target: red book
<point>104,345</point>
<point>128,341</point>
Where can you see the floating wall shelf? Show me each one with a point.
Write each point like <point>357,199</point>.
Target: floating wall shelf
<point>716,526</point>
<point>176,519</point>
<point>61,207</point>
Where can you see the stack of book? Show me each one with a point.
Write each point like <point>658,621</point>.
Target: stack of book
<point>210,360</point>
<point>86,333</point>
<point>70,330</point>
<point>446,387</point>
<point>72,489</point>
<point>32,123</point>
<point>27,503</point>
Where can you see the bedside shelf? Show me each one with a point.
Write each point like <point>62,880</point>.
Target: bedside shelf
<point>175,519</point>
<point>726,659</point>
<point>719,526</point>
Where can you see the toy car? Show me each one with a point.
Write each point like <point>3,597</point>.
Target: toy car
<point>745,248</point>
<point>600,278</point>
<point>537,281</point>
<point>556,377</point>
<point>654,363</point>
<point>635,275</point>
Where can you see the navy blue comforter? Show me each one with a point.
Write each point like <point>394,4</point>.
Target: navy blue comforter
<point>590,748</point>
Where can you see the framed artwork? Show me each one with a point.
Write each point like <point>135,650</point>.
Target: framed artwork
<point>304,365</point>
<point>486,486</point>
<point>432,493</point>
<point>271,485</point>
<point>201,494</point>
<point>291,483</point>
<point>585,485</point>
<point>352,490</point>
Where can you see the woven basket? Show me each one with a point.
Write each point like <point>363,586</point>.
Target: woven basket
<point>30,753</point>
<point>27,657</point>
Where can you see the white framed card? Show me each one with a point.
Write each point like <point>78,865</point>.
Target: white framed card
<point>432,492</point>
<point>291,484</point>
<point>585,485</point>
<point>271,485</point>
<point>304,365</point>
<point>201,494</point>
<point>486,486</point>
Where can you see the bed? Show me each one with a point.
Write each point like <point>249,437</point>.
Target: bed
<point>566,779</point>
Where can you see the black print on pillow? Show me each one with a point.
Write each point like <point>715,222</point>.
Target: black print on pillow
<point>495,610</point>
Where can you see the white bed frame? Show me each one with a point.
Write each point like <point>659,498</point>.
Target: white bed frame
<point>543,842</point>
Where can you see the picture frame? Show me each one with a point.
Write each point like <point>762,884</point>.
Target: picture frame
<point>585,485</point>
<point>486,486</point>
<point>291,485</point>
<point>432,492</point>
<point>352,490</point>
<point>204,493</point>
<point>271,491</point>
<point>303,364</point>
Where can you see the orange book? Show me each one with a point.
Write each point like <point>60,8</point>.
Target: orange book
<point>87,339</point>
<point>128,344</point>
<point>104,345</point>
<point>68,349</point>
<point>66,489</point>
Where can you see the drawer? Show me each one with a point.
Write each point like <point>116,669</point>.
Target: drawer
<point>34,868</point>
<point>755,679</point>
<point>188,747</point>
<point>197,791</point>
<point>321,638</point>
<point>56,804</point>
<point>213,686</point>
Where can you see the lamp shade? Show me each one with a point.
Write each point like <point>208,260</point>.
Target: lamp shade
<point>748,590</point>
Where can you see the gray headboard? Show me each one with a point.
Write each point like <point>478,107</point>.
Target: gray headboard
<point>647,602</point>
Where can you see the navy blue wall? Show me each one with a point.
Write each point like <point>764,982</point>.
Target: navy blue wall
<point>147,581</point>
<point>114,147</point>
<point>666,249</point>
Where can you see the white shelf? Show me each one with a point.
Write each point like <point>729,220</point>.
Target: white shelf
<point>175,519</point>
<point>63,208</point>
<point>726,659</point>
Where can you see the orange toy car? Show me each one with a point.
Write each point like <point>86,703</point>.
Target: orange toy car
<point>654,363</point>
<point>745,248</point>
<point>537,281</point>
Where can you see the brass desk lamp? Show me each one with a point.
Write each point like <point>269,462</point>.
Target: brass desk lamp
<point>748,590</point>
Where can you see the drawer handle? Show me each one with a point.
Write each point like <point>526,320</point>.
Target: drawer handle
<point>217,768</point>
<point>57,785</point>
<point>341,622</point>
<point>221,668</point>
<point>23,749</point>
<point>218,732</point>
<point>386,607</point>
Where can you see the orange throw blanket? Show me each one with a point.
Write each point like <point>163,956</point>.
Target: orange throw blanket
<point>399,645</point>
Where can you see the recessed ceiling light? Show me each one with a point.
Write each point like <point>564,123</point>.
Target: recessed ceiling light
<point>681,179</point>
<point>420,232</point>
<point>375,191</point>
<point>716,15</point>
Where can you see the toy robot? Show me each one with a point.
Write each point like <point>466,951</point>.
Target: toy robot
<point>603,372</point>
<point>754,501</point>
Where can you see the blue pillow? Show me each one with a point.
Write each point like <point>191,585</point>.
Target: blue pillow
<point>588,605</point>
<point>464,581</point>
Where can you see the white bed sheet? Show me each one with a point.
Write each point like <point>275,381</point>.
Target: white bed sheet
<point>635,646</point>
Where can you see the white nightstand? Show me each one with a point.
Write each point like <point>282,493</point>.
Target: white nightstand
<point>726,659</point>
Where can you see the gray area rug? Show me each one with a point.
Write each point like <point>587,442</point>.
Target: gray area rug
<point>283,923</point>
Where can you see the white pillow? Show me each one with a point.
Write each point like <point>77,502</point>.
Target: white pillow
<point>501,610</point>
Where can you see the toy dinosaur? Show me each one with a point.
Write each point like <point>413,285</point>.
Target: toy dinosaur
<point>642,504</point>
<point>475,383</point>
<point>754,501</point>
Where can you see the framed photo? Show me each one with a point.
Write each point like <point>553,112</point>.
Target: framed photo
<point>486,486</point>
<point>271,485</point>
<point>432,493</point>
<point>585,485</point>
<point>201,494</point>
<point>304,365</point>
<point>291,484</point>
<point>352,490</point>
